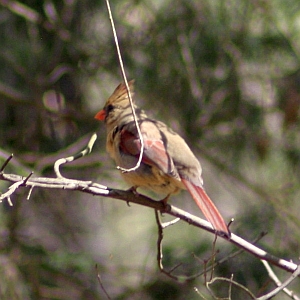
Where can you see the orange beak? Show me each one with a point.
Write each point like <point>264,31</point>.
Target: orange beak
<point>100,115</point>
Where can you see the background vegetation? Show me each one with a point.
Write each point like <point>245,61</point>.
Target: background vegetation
<point>224,74</point>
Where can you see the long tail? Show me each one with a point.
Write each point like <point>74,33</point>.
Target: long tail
<point>207,207</point>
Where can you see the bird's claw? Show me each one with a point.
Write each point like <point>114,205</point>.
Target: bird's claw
<point>133,189</point>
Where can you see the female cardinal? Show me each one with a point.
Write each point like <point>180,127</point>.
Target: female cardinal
<point>168,164</point>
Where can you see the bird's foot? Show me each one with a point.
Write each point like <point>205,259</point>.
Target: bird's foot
<point>164,201</point>
<point>133,189</point>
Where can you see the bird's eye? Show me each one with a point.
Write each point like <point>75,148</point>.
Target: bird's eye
<point>109,108</point>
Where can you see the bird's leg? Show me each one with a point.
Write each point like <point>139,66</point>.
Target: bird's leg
<point>165,200</point>
<point>133,189</point>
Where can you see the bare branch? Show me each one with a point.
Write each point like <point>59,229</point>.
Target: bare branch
<point>129,196</point>
<point>167,224</point>
<point>101,283</point>
<point>230,256</point>
<point>234,239</point>
<point>280,286</point>
<point>30,192</point>
<point>84,152</point>
<point>231,282</point>
<point>34,17</point>
<point>159,248</point>
<point>12,94</point>
<point>128,92</point>
<point>13,188</point>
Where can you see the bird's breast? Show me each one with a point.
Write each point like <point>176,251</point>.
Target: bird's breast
<point>152,178</point>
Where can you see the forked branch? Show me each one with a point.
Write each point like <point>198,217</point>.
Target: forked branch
<point>97,189</point>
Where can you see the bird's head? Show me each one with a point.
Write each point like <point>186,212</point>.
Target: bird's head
<point>117,104</point>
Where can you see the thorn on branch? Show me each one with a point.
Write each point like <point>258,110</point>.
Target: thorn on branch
<point>30,192</point>
<point>166,224</point>
<point>230,222</point>
<point>6,163</point>
<point>13,188</point>
<point>9,201</point>
<point>26,179</point>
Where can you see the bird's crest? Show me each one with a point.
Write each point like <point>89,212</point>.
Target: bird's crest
<point>120,94</point>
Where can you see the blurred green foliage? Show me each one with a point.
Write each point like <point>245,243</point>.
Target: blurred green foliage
<point>224,74</point>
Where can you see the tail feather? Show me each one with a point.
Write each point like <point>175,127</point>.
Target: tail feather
<point>207,207</point>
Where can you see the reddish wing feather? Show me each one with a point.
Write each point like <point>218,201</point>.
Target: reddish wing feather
<point>154,150</point>
<point>156,153</point>
<point>129,143</point>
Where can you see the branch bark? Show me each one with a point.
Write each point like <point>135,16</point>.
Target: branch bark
<point>133,197</point>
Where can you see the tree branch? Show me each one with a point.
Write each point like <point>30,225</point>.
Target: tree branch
<point>280,286</point>
<point>130,196</point>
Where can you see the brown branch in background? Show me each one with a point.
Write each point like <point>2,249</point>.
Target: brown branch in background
<point>101,283</point>
<point>189,64</point>
<point>212,258</point>
<point>159,248</point>
<point>12,94</point>
<point>34,17</point>
<point>230,256</point>
<point>128,93</point>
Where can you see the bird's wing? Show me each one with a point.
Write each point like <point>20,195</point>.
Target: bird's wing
<point>155,152</point>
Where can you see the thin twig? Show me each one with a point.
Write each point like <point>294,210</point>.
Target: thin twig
<point>159,248</point>
<point>9,201</point>
<point>230,256</point>
<point>170,223</point>
<point>128,92</point>
<point>30,192</point>
<point>13,188</point>
<point>87,150</point>
<point>230,287</point>
<point>213,257</point>
<point>6,163</point>
<point>280,286</point>
<point>199,294</point>
<point>234,239</point>
<point>231,282</point>
<point>101,284</point>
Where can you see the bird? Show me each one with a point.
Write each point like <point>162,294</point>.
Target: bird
<point>168,165</point>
